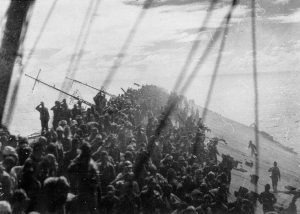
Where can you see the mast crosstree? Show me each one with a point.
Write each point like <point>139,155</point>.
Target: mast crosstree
<point>57,89</point>
<point>85,84</point>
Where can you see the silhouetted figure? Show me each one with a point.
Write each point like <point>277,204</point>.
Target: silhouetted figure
<point>84,181</point>
<point>267,199</point>
<point>44,116</point>
<point>65,111</point>
<point>275,176</point>
<point>57,110</point>
<point>253,148</point>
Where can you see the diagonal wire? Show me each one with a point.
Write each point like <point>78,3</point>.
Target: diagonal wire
<point>130,37</point>
<point>65,85</point>
<point>214,76</point>
<point>12,101</point>
<point>85,38</point>
<point>215,72</point>
<point>199,64</point>
<point>165,115</point>
<point>123,51</point>
<point>39,36</point>
<point>204,56</point>
<point>25,64</point>
<point>208,49</point>
<point>195,46</point>
<point>256,103</point>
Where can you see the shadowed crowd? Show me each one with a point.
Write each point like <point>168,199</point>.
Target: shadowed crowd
<point>98,160</point>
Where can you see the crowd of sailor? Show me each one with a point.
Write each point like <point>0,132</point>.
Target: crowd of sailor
<point>109,158</point>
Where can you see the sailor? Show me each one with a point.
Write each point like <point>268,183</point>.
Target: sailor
<point>267,199</point>
<point>56,114</point>
<point>253,148</point>
<point>65,111</point>
<point>64,104</point>
<point>44,116</point>
<point>75,111</point>
<point>275,176</point>
<point>213,150</point>
<point>84,180</point>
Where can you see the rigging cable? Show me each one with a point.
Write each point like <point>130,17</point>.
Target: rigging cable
<point>24,65</point>
<point>66,86</point>
<point>10,96</point>
<point>215,72</point>
<point>211,43</point>
<point>256,95</point>
<point>120,56</point>
<point>195,46</point>
<point>39,36</point>
<point>214,76</point>
<point>213,79</point>
<point>85,38</point>
<point>208,49</point>
<point>165,114</point>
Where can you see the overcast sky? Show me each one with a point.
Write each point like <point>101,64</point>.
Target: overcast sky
<point>159,49</point>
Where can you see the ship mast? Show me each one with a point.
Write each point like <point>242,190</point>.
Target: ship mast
<point>85,84</point>
<point>57,89</point>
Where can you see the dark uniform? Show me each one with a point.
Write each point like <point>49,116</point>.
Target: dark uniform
<point>267,199</point>
<point>44,116</point>
<point>57,110</point>
<point>275,176</point>
<point>84,181</point>
<point>253,148</point>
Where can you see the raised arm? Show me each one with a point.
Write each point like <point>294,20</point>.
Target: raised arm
<point>38,107</point>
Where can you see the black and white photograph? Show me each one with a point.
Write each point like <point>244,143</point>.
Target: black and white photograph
<point>149,106</point>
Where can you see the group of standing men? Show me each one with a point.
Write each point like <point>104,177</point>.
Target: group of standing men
<point>60,110</point>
